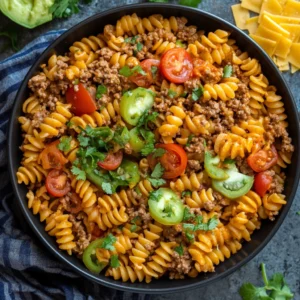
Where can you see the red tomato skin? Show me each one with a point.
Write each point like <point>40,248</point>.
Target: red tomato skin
<point>145,80</point>
<point>174,153</point>
<point>263,160</point>
<point>51,157</point>
<point>176,57</point>
<point>52,184</point>
<point>112,161</point>
<point>262,183</point>
<point>81,100</point>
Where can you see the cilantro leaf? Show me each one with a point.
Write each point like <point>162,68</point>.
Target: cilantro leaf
<point>197,93</point>
<point>186,194</point>
<point>158,152</point>
<point>172,93</point>
<point>155,195</point>
<point>179,249</point>
<point>187,215</point>
<point>190,137</point>
<point>158,171</point>
<point>139,47</point>
<point>121,136</point>
<point>80,174</point>
<point>145,118</point>
<point>108,242</point>
<point>114,261</point>
<point>69,124</point>
<point>277,286</point>
<point>133,227</point>
<point>83,140</point>
<point>156,182</point>
<point>249,292</point>
<point>127,72</point>
<point>150,138</point>
<point>12,34</point>
<point>107,188</point>
<point>64,143</point>
<point>64,8</point>
<point>227,71</point>
<point>190,236</point>
<point>228,161</point>
<point>154,71</point>
<point>101,90</point>
<point>192,3</point>
<point>131,40</point>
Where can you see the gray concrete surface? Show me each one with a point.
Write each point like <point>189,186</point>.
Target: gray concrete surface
<point>281,255</point>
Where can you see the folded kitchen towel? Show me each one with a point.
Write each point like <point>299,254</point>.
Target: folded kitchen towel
<point>27,269</point>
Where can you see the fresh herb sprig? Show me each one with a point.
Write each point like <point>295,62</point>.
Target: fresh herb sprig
<point>155,177</point>
<point>273,289</point>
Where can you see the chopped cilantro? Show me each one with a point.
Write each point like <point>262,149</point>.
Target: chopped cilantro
<point>121,136</point>
<point>147,117</point>
<point>131,40</point>
<point>156,182</point>
<point>184,94</point>
<point>158,171</point>
<point>189,236</point>
<point>154,71</point>
<point>69,124</point>
<point>227,71</point>
<point>80,174</point>
<point>273,289</point>
<point>158,152</point>
<point>133,227</point>
<point>186,194</point>
<point>197,93</point>
<point>155,195</point>
<point>137,190</point>
<point>150,138</point>
<point>179,249</point>
<point>114,261</point>
<point>168,210</point>
<point>101,90</point>
<point>108,242</point>
<point>172,93</point>
<point>64,143</point>
<point>107,188</point>
<point>127,72</point>
<point>187,215</point>
<point>139,47</point>
<point>229,161</point>
<point>76,81</point>
<point>190,137</point>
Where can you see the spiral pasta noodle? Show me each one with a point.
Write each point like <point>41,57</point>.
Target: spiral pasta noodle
<point>146,170</point>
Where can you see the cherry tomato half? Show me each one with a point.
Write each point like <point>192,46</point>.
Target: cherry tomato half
<point>57,183</point>
<point>262,160</point>
<point>112,161</point>
<point>174,160</point>
<point>74,205</point>
<point>176,65</point>
<point>148,79</point>
<point>51,157</point>
<point>81,100</point>
<point>262,183</point>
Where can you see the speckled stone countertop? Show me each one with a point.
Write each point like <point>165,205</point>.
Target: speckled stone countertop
<point>282,254</point>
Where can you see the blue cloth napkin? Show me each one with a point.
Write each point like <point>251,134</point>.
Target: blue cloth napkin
<point>27,269</point>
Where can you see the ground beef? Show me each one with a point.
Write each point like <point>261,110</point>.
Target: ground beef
<point>82,238</point>
<point>196,148</point>
<point>243,166</point>
<point>277,185</point>
<point>180,265</point>
<point>141,212</point>
<point>194,165</point>
<point>39,85</point>
<point>39,116</point>
<point>240,75</point>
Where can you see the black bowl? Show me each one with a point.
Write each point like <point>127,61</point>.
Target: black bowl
<point>208,22</point>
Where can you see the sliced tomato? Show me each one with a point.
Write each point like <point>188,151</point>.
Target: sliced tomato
<point>51,157</point>
<point>57,183</point>
<point>148,79</point>
<point>74,205</point>
<point>112,161</point>
<point>82,101</point>
<point>176,65</point>
<point>262,183</point>
<point>263,160</point>
<point>174,160</point>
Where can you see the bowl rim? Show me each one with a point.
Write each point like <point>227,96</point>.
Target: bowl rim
<point>81,270</point>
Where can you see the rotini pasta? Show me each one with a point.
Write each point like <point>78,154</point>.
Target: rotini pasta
<point>141,146</point>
